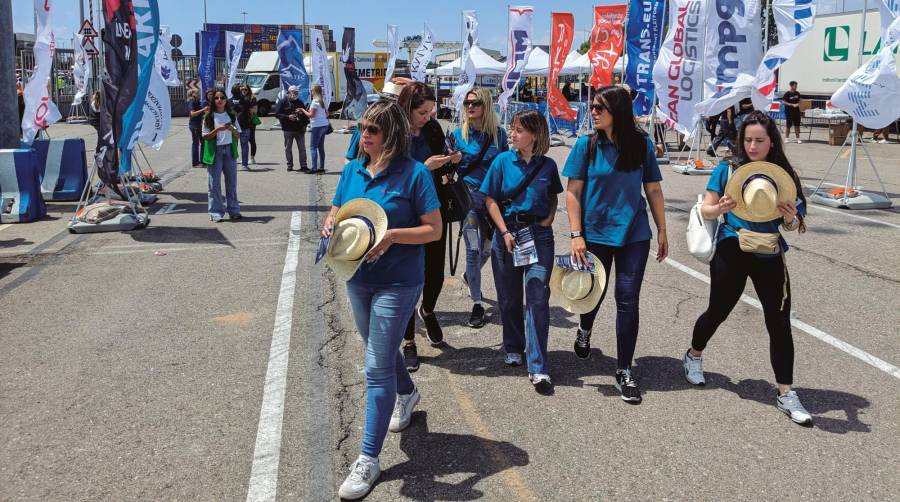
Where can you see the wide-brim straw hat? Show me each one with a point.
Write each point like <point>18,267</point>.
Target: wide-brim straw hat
<point>578,291</point>
<point>391,90</point>
<point>758,188</point>
<point>359,225</point>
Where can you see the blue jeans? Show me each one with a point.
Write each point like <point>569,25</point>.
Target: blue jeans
<point>196,145</point>
<point>245,145</point>
<point>525,330</point>
<point>225,165</point>
<point>381,314</point>
<point>475,234</point>
<point>317,147</point>
<point>631,260</point>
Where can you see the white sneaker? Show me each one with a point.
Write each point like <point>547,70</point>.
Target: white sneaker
<point>799,142</point>
<point>253,160</point>
<point>693,369</point>
<point>363,474</point>
<point>790,404</point>
<point>403,408</point>
<point>882,141</point>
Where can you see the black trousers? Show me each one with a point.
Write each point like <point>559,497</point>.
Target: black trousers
<point>728,272</point>
<point>434,279</point>
<point>253,141</point>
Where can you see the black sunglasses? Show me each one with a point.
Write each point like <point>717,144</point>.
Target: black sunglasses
<point>372,129</point>
<point>599,107</point>
<point>473,102</point>
<point>221,98</point>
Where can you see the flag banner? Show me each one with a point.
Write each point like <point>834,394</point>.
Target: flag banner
<point>643,34</point>
<point>355,100</point>
<point>164,63</point>
<point>40,110</point>
<point>290,59</point>
<point>81,73</point>
<point>606,42</point>
<point>157,115</point>
<point>794,20</point>
<point>467,76</point>
<point>888,10</point>
<point>422,56</point>
<point>563,29</point>
<point>518,48</point>
<point>870,94</point>
<point>676,73</point>
<point>146,29</point>
<point>320,71</point>
<point>206,72</point>
<point>234,47</point>
<point>732,55</point>
<point>393,41</point>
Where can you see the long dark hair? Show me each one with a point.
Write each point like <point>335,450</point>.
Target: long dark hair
<point>629,139</point>
<point>776,151</point>
<point>414,95</point>
<point>208,117</point>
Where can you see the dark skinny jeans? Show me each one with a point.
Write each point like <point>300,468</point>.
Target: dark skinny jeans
<point>728,272</point>
<point>434,280</point>
<point>631,260</point>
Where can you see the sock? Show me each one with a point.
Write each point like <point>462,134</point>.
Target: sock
<point>364,457</point>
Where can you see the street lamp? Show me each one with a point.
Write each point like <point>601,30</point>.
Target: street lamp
<point>245,20</point>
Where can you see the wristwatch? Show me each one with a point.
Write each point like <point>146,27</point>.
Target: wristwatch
<point>576,234</point>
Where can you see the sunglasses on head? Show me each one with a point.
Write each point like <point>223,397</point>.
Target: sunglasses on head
<point>372,129</point>
<point>473,102</point>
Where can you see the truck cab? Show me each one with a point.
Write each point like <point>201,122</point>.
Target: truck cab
<point>265,86</point>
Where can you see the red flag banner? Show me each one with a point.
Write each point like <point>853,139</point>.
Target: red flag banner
<point>606,42</point>
<point>563,29</point>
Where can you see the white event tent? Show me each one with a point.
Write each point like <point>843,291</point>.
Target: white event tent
<point>484,65</point>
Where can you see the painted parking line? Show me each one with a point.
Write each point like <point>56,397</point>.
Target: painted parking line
<point>267,452</point>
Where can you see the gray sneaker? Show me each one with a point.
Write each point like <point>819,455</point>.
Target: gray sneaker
<point>513,359</point>
<point>790,404</point>
<point>363,474</point>
<point>403,409</point>
<point>693,368</point>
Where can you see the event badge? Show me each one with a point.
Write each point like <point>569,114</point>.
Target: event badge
<point>323,247</point>
<point>566,262</point>
<point>525,252</point>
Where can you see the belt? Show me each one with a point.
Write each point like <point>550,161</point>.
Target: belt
<point>522,218</point>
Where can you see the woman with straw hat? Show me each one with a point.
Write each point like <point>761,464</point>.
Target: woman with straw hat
<point>759,197</point>
<point>384,208</point>
<point>609,173</point>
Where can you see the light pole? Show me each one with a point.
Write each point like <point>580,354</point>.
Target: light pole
<point>303,20</point>
<point>204,14</point>
<point>245,20</point>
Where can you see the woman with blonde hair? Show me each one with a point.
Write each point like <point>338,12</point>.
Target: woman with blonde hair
<point>318,116</point>
<point>480,139</point>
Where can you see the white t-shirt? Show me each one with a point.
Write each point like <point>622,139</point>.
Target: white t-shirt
<point>320,119</point>
<point>222,137</point>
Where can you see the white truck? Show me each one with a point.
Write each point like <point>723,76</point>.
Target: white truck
<point>261,75</point>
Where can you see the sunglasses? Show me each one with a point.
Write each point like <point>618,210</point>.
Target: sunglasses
<point>221,98</point>
<point>372,129</point>
<point>473,102</point>
<point>599,107</point>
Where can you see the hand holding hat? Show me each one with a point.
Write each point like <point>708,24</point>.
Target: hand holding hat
<point>577,291</point>
<point>762,192</point>
<point>360,225</point>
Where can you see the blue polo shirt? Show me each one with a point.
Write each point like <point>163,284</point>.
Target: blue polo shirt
<point>353,149</point>
<point>508,170</point>
<point>406,192</point>
<point>471,148</point>
<point>733,223</point>
<point>419,149</point>
<point>614,211</point>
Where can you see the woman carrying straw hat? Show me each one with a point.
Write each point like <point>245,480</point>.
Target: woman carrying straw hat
<point>383,265</point>
<point>520,193</point>
<point>757,198</point>
<point>607,216</point>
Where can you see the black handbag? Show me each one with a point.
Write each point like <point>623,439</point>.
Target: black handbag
<point>456,201</point>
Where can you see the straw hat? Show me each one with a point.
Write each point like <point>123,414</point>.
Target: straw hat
<point>758,188</point>
<point>359,225</point>
<point>578,291</point>
<point>391,90</point>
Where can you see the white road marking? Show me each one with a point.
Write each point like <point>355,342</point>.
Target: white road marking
<point>4,226</point>
<point>860,354</point>
<point>267,453</point>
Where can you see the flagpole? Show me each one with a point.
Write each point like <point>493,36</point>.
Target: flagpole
<point>854,135</point>
<point>766,42</point>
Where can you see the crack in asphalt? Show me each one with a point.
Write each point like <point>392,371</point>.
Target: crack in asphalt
<point>865,273</point>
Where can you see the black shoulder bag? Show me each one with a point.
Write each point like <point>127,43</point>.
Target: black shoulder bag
<point>456,202</point>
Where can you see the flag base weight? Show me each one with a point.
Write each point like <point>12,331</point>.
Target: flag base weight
<point>863,200</point>
<point>120,223</point>
<point>851,197</point>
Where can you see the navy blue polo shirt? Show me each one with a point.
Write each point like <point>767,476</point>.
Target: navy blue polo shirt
<point>406,192</point>
<point>614,211</point>
<point>508,170</point>
<point>472,147</point>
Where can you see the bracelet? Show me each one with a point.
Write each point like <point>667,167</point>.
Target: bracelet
<point>576,234</point>
<point>503,234</point>
<point>390,234</point>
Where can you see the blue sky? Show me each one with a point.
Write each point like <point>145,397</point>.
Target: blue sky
<point>369,17</point>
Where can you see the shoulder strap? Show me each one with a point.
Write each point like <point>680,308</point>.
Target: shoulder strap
<point>481,154</point>
<point>524,184</point>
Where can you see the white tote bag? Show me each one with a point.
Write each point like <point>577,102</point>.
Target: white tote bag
<point>702,233</point>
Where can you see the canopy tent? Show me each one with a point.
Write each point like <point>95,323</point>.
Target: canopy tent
<point>582,65</point>
<point>484,65</point>
<point>538,63</point>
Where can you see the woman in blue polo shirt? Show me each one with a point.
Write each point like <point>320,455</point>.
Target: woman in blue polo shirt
<point>520,192</point>
<point>479,131</point>
<point>607,216</point>
<point>384,290</point>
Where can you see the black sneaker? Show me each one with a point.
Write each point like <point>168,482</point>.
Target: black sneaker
<point>432,328</point>
<point>476,320</point>
<point>290,168</point>
<point>583,344</point>
<point>627,387</point>
<point>710,152</point>
<point>304,169</point>
<point>542,384</point>
<point>410,357</point>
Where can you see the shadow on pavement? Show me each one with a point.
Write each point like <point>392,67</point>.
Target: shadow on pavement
<point>7,268</point>
<point>559,318</point>
<point>18,241</point>
<point>180,235</point>
<point>436,456</point>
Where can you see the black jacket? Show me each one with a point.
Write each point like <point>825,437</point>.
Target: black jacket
<point>285,109</point>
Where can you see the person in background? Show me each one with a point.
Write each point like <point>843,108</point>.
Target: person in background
<point>318,116</point>
<point>289,112</point>
<point>884,131</point>
<point>220,151</point>
<point>254,121</point>
<point>791,102</point>
<point>235,98</point>
<point>20,95</point>
<point>195,125</point>
<point>246,111</point>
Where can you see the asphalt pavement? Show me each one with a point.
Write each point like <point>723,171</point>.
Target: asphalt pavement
<point>199,361</point>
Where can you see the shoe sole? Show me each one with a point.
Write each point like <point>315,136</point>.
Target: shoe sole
<point>476,325</point>
<point>629,400</point>
<point>805,423</point>
<point>579,356</point>
<point>362,495</point>
<point>427,334</point>
<point>412,407</point>
<point>696,384</point>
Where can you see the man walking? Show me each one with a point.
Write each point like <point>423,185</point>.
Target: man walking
<point>293,125</point>
<point>791,102</point>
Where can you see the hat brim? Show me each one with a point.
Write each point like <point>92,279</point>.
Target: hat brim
<point>787,190</point>
<point>343,269</point>
<point>589,302</point>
